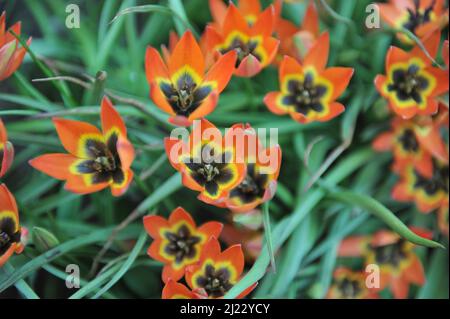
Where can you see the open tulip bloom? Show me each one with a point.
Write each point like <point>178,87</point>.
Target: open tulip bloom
<point>260,182</point>
<point>6,151</point>
<point>421,17</point>
<point>11,55</point>
<point>412,84</point>
<point>178,242</point>
<point>217,271</point>
<point>428,192</point>
<point>96,160</point>
<point>349,284</point>
<point>254,45</point>
<point>181,87</point>
<point>405,146</point>
<point>10,230</point>
<point>207,164</point>
<point>399,265</point>
<point>309,89</point>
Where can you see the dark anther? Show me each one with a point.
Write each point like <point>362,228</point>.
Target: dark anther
<point>182,243</point>
<point>409,141</point>
<point>305,96</point>
<point>215,282</point>
<point>438,182</point>
<point>408,84</point>
<point>417,18</point>
<point>243,49</point>
<point>390,254</point>
<point>349,288</point>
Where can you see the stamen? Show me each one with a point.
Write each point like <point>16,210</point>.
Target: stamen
<point>4,238</point>
<point>209,171</point>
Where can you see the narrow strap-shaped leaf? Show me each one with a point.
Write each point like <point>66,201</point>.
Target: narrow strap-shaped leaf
<point>126,265</point>
<point>37,262</point>
<point>382,212</point>
<point>25,290</point>
<point>155,8</point>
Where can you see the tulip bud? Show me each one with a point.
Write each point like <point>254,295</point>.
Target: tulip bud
<point>43,239</point>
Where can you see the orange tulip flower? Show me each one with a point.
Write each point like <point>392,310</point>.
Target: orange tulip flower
<point>11,55</point>
<point>10,230</point>
<point>428,192</point>
<point>399,265</point>
<point>403,142</point>
<point>207,164</point>
<point>217,272</point>
<point>412,83</point>
<point>96,160</point>
<point>6,151</point>
<point>349,284</point>
<point>309,90</point>
<point>181,87</point>
<point>253,44</point>
<point>260,183</point>
<point>178,242</point>
<point>421,17</point>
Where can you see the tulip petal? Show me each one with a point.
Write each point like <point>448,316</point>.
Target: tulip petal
<point>220,73</point>
<point>54,165</point>
<point>73,135</point>
<point>187,52</point>
<point>180,214</point>
<point>340,78</point>
<point>111,118</point>
<point>318,54</point>
<point>153,224</point>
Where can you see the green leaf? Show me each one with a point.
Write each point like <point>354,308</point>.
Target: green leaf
<point>24,289</point>
<point>382,212</point>
<point>155,8</point>
<point>37,262</point>
<point>126,265</point>
<point>94,284</point>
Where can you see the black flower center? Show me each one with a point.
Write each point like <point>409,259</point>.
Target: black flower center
<point>349,288</point>
<point>185,96</point>
<point>215,282</point>
<point>252,187</point>
<point>104,162</point>
<point>416,17</point>
<point>409,84</point>
<point>211,169</point>
<point>408,141</point>
<point>8,235</point>
<point>305,95</point>
<point>438,182</point>
<point>391,254</point>
<point>181,244</point>
<point>243,49</point>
